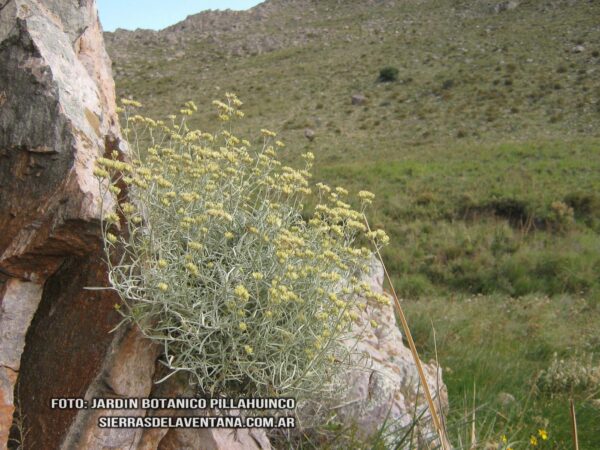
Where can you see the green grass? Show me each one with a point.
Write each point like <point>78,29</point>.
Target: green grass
<point>484,156</point>
<point>497,344</point>
<point>482,218</point>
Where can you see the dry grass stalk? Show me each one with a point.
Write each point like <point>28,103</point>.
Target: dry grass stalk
<point>473,420</point>
<point>574,425</point>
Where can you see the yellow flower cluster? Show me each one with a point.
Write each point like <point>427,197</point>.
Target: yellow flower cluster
<point>268,133</point>
<point>229,109</point>
<point>133,103</point>
<point>192,268</point>
<point>378,236</point>
<point>366,196</point>
<point>241,292</point>
<point>195,245</point>
<point>111,218</point>
<point>220,214</point>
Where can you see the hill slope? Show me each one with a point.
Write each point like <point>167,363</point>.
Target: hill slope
<point>465,70</point>
<point>484,155</point>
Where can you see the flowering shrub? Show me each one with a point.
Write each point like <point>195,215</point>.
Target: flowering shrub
<point>572,374</point>
<point>212,257</point>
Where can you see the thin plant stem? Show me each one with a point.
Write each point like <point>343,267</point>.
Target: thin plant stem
<point>574,425</point>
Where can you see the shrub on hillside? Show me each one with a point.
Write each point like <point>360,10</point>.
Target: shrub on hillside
<point>388,74</point>
<point>564,376</point>
<point>561,216</point>
<point>586,206</point>
<point>215,262</point>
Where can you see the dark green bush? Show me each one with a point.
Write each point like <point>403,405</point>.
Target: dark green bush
<point>586,205</point>
<point>388,74</point>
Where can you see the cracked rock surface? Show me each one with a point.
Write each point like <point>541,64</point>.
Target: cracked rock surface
<point>388,387</point>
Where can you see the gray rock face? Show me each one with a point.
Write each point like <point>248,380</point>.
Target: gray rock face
<point>20,300</point>
<point>53,124</point>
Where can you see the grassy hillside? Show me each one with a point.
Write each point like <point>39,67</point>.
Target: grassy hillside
<point>484,155</point>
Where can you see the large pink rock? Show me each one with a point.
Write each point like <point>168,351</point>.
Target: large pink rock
<point>387,388</point>
<point>57,115</point>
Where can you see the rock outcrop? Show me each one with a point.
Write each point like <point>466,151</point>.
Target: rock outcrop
<point>388,390</point>
<point>267,27</point>
<point>57,115</point>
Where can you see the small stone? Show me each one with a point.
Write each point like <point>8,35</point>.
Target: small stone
<point>505,399</point>
<point>505,6</point>
<point>309,134</point>
<point>359,99</point>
